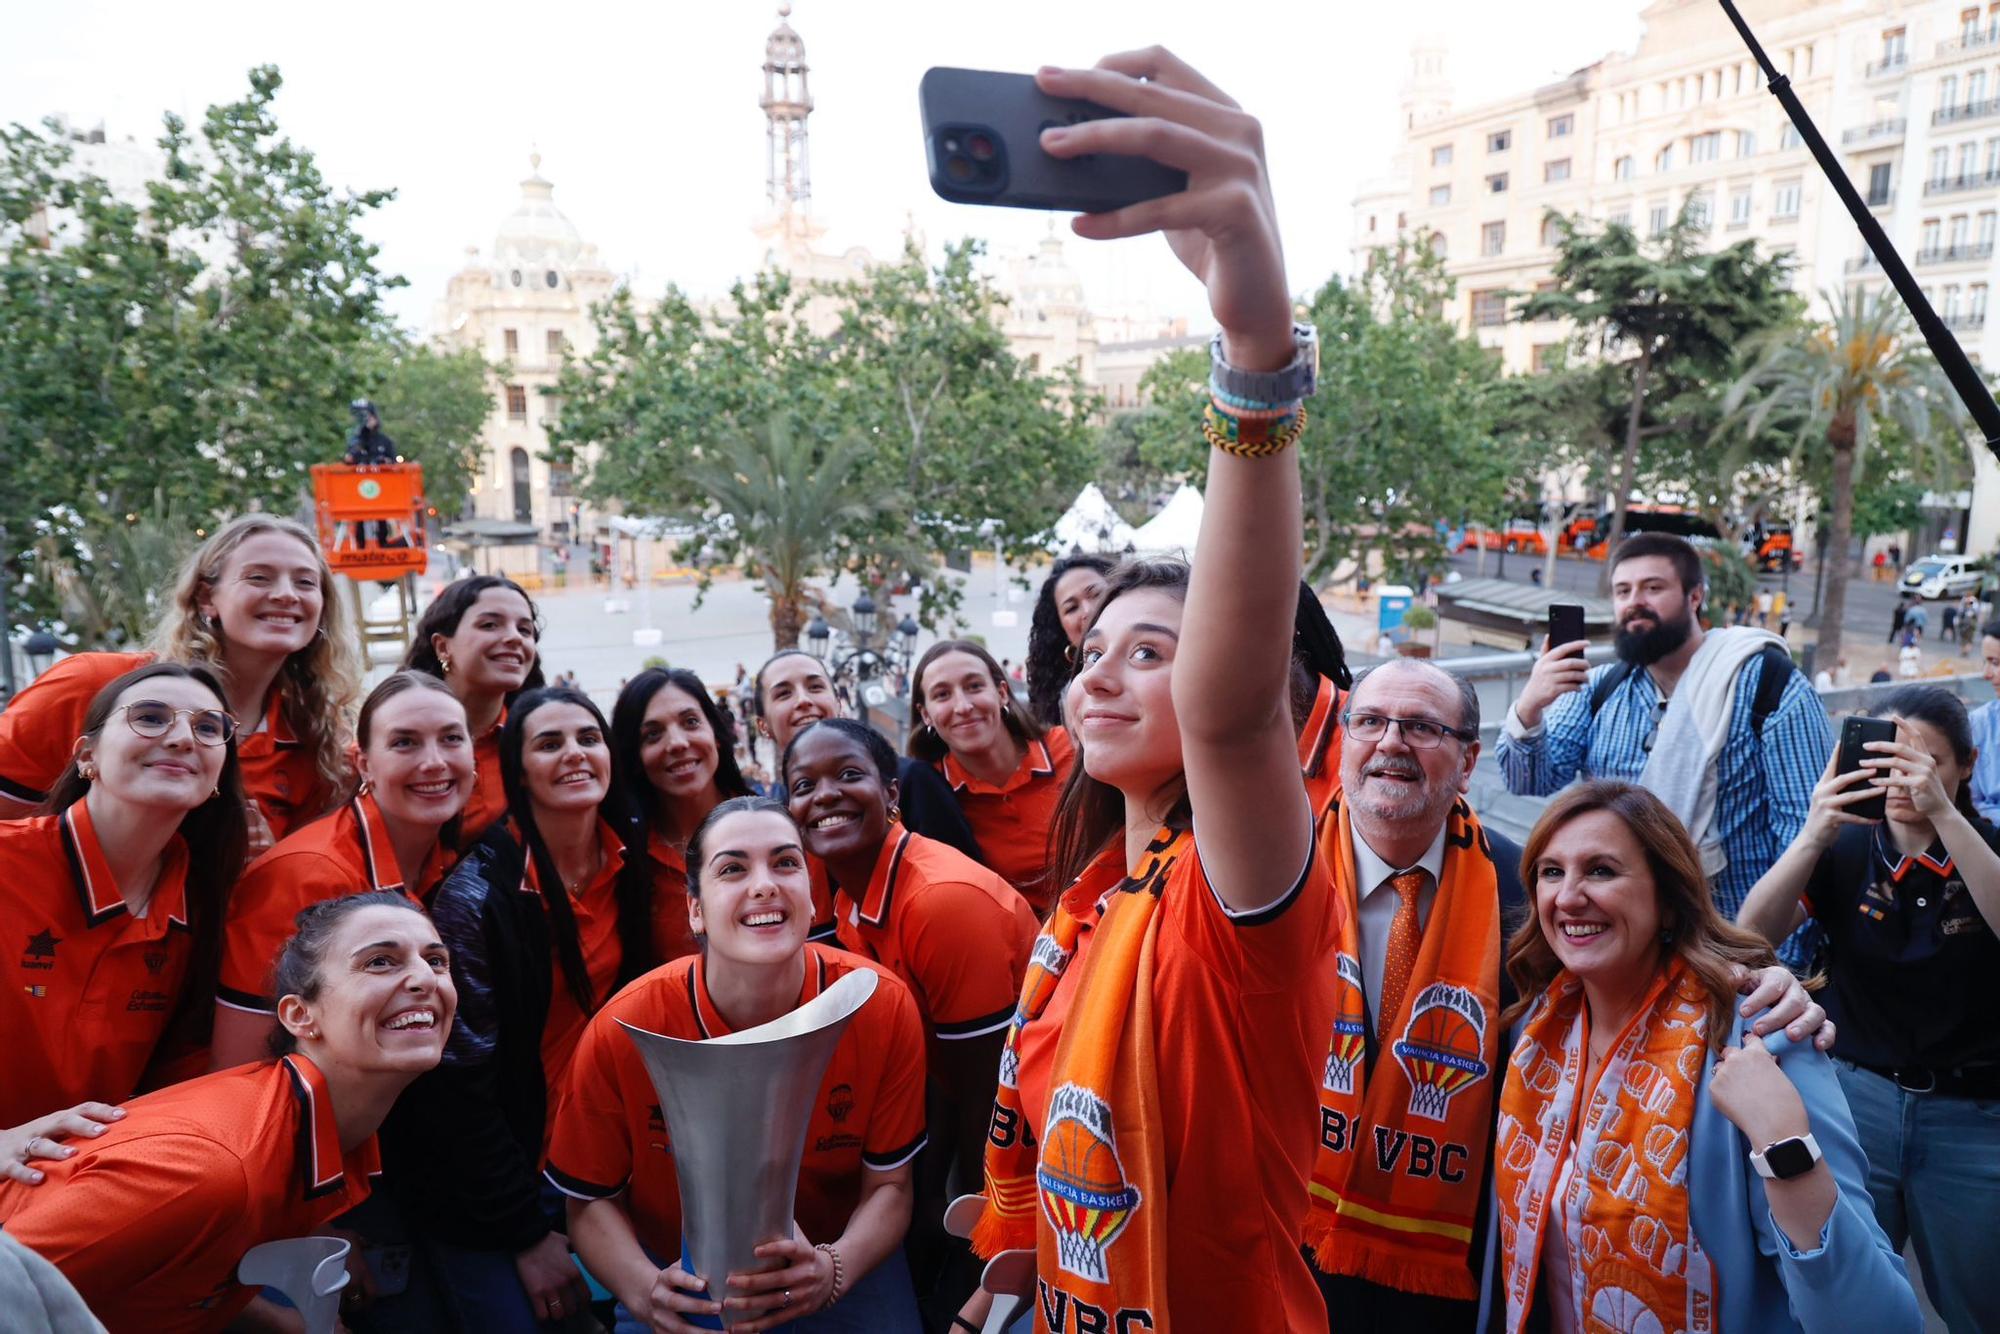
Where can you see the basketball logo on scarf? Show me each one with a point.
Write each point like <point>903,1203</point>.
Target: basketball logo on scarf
<point>1442,1047</point>
<point>1350,1027</point>
<point>1084,1192</point>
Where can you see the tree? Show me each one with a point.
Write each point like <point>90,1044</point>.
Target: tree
<point>109,581</point>
<point>201,345</point>
<point>790,508</point>
<point>1668,315</point>
<point>433,403</point>
<point>1866,367</point>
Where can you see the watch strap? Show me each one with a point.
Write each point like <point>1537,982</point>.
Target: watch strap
<point>1795,1157</point>
<point>1268,388</point>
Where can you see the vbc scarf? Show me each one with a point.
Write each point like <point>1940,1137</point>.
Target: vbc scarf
<point>1635,1262</point>
<point>1090,1197</point>
<point>1396,1182</point>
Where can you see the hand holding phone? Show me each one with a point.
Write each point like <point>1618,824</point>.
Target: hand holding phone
<point>1855,734</point>
<point>1566,625</point>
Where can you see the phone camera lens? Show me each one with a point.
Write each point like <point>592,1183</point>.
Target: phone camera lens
<point>959,168</point>
<point>951,145</point>
<point>980,146</point>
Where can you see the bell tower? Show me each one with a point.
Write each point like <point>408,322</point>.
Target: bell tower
<point>787,101</point>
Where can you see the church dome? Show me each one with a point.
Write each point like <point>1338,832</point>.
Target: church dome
<point>784,46</point>
<point>537,232</point>
<point>1046,282</point>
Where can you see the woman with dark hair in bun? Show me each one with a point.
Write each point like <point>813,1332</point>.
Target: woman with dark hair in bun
<point>150,1220</point>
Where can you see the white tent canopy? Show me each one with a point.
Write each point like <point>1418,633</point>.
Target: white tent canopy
<point>1174,530</point>
<point>1090,524</point>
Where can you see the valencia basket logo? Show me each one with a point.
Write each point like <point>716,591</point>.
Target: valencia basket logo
<point>1442,1050</point>
<point>1083,1186</point>
<point>1350,1027</point>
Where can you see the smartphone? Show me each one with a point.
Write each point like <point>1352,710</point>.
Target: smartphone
<point>1565,623</point>
<point>1855,733</point>
<point>982,138</point>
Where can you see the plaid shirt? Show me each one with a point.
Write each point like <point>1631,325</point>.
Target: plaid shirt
<point>1986,768</point>
<point>1764,786</point>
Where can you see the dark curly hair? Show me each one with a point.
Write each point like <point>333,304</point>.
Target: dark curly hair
<point>1048,664</point>
<point>448,608</point>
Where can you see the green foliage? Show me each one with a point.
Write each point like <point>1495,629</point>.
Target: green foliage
<point>1732,579</point>
<point>1886,507</point>
<point>202,345</point>
<point>1419,617</point>
<point>108,582</point>
<point>433,403</point>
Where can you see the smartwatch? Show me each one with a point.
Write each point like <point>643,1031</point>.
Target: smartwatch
<point>1288,385</point>
<point>1787,1158</point>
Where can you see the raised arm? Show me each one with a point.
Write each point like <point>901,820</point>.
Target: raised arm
<point>1773,907</point>
<point>1230,665</point>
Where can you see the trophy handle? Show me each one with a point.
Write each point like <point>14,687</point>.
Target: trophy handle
<point>310,1271</point>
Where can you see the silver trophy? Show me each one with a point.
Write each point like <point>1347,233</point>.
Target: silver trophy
<point>310,1271</point>
<point>737,1108</point>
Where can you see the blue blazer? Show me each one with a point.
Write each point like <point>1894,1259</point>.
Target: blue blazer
<point>1849,1278</point>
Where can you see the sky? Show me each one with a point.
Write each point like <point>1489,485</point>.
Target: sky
<point>647,122</point>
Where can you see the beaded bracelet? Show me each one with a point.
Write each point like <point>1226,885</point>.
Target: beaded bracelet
<point>1235,402</point>
<point>1252,439</point>
<point>834,1255</point>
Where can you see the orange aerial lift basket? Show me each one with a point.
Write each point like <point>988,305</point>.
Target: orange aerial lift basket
<point>371,518</point>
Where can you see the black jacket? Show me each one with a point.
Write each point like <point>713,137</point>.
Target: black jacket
<point>930,808</point>
<point>461,1149</point>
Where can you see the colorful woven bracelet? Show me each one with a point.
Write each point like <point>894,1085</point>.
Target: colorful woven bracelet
<point>1228,400</point>
<point>1253,414</point>
<point>1250,430</point>
<point>1255,443</point>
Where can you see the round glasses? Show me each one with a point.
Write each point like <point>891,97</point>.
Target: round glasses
<point>1418,733</point>
<point>150,718</point>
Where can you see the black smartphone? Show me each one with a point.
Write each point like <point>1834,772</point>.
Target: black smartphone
<point>1855,733</point>
<point>982,138</point>
<point>1565,623</point>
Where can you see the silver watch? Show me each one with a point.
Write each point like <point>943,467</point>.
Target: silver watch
<point>1294,382</point>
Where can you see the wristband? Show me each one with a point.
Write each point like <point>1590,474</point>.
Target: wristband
<point>833,1255</point>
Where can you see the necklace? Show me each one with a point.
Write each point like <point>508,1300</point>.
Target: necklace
<point>575,886</point>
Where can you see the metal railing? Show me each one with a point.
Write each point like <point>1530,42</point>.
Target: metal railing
<point>1881,198</point>
<point>1972,38</point>
<point>1956,254</point>
<point>1862,263</point>
<point>1881,129</point>
<point>1951,185</point>
<point>1890,62</point>
<point>1971,319</point>
<point>1965,111</point>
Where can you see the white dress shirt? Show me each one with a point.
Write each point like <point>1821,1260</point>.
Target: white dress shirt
<point>1378,906</point>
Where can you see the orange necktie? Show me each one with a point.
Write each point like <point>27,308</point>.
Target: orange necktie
<point>1406,933</point>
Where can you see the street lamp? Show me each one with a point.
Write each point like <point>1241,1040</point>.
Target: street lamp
<point>864,617</point>
<point>817,636</point>
<point>40,647</point>
<point>906,636</point>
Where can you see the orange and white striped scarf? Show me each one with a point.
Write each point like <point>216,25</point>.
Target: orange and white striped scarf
<point>1396,1182</point>
<point>1090,1196</point>
<point>1635,1262</point>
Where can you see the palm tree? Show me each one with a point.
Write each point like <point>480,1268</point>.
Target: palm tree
<point>790,508</point>
<point>113,577</point>
<point>1866,367</point>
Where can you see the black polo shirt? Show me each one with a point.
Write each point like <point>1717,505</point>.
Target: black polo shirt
<point>1911,964</point>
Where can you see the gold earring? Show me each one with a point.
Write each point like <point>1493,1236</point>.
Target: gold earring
<point>895,812</point>
<point>88,772</point>
<point>446,664</point>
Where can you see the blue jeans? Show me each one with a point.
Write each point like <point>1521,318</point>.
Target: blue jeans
<point>1934,1176</point>
<point>883,1302</point>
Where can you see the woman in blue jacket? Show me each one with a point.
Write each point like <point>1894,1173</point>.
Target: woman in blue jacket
<point>1655,1165</point>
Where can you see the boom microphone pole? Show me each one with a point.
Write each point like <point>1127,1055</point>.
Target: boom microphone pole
<point>1944,346</point>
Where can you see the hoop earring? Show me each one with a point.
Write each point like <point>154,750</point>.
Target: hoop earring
<point>363,790</point>
<point>895,812</point>
<point>445,663</point>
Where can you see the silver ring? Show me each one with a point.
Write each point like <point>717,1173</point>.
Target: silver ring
<point>33,1140</point>
<point>555,1306</point>
<point>788,1300</point>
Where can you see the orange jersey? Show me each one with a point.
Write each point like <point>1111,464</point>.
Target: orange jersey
<point>1242,1007</point>
<point>348,852</point>
<point>488,800</point>
<point>955,931</point>
<point>88,987</point>
<point>610,1136</point>
<point>1012,821</point>
<point>1319,747</point>
<point>596,910</point>
<point>150,1220</point>
<point>38,733</point>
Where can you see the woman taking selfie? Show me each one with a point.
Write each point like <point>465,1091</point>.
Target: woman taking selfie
<point>150,1220</point>
<point>1157,1191</point>
<point>395,833</point>
<point>481,636</point>
<point>1657,1165</point>
<point>1004,767</point>
<point>1909,904</point>
<point>750,902</point>
<point>254,605</point>
<point>674,753</point>
<point>1063,609</point>
<point>792,690</point>
<point>113,900</point>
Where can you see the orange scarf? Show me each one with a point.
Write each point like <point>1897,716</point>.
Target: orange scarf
<point>1634,1258</point>
<point>1090,1195</point>
<point>1396,1184</point>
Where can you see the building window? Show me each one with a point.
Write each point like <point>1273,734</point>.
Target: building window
<point>1746,143</point>
<point>1968,160</point>
<point>1785,200</point>
<point>510,342</point>
<point>1497,183</point>
<point>1499,141</point>
<point>1895,46</point>
<point>1555,171</point>
<point>515,277</point>
<point>1438,245</point>
<point>1940,164</point>
<point>1544,356</point>
<point>1975,87</point>
<point>517,403</point>
<point>1664,159</point>
<point>524,493</point>
<point>1489,308</point>
<point>1880,182</point>
<point>1623,169</point>
<point>556,344</point>
<point>1705,147</point>
<point>1440,195</point>
<point>1977,303</point>
<point>1621,218</point>
<point>1948,91</point>
<point>1492,238</point>
<point>1986,221</point>
<point>1561,127</point>
<point>1739,209</point>
<point>1956,232</point>
<point>1789,137</point>
<point>1440,155</point>
<point>1993,157</point>
<point>1700,211</point>
<point>552,278</point>
<point>1931,237</point>
<point>1656,220</point>
<point>1552,231</point>
<point>1950,307</point>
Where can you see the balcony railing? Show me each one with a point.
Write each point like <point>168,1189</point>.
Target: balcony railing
<point>1971,39</point>
<point>1891,62</point>
<point>1952,185</point>
<point>1882,198</point>
<point>1971,319</point>
<point>1879,130</point>
<point>1956,254</point>
<point>1863,264</point>
<point>1965,111</point>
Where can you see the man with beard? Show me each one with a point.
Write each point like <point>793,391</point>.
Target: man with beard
<point>1407,1105</point>
<point>1717,723</point>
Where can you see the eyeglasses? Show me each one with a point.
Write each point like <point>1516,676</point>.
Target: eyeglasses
<point>150,718</point>
<point>1418,733</point>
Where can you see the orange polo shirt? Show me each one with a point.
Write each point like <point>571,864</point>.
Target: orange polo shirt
<point>150,1220</point>
<point>1319,747</point>
<point>488,799</point>
<point>38,733</point>
<point>596,911</point>
<point>611,1137</point>
<point>953,930</point>
<point>1012,821</point>
<point>85,987</point>
<point>1242,1006</point>
<point>348,852</point>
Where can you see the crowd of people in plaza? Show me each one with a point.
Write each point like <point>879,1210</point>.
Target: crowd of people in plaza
<point>1203,997</point>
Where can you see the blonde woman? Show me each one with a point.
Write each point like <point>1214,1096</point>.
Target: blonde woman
<point>254,604</point>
